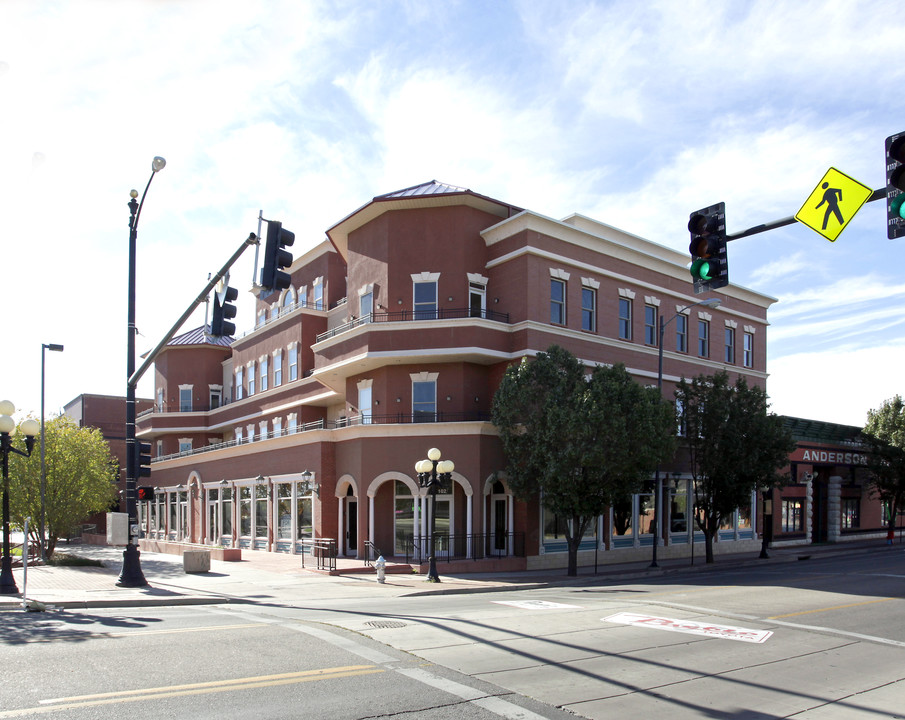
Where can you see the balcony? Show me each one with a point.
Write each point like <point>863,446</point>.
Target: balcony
<point>395,419</point>
<point>414,315</point>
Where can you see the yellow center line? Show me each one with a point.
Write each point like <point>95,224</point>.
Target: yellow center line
<point>263,681</point>
<point>833,607</point>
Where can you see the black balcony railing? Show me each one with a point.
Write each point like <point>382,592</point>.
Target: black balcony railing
<point>414,315</point>
<point>473,546</point>
<point>396,419</point>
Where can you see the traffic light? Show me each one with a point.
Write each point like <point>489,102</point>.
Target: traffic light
<point>224,311</point>
<point>145,493</point>
<point>276,257</point>
<point>709,261</point>
<point>895,186</point>
<point>143,464</point>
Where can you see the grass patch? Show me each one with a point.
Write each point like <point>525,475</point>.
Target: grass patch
<point>59,559</point>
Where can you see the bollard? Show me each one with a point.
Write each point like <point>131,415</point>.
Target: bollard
<point>380,565</point>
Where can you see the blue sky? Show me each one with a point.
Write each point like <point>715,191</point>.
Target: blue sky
<point>632,113</point>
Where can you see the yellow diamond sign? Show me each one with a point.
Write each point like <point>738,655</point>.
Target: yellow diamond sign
<point>833,203</point>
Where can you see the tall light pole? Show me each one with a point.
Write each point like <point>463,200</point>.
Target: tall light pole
<point>131,574</point>
<point>711,303</point>
<point>432,473</point>
<point>52,348</point>
<point>29,428</point>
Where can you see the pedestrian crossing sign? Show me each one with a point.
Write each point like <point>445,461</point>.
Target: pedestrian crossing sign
<point>833,204</point>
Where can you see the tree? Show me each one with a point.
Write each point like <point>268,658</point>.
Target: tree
<point>735,446</point>
<point>884,435</point>
<point>581,442</point>
<point>80,476</point>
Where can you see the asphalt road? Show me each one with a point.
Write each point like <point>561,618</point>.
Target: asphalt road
<point>814,640</point>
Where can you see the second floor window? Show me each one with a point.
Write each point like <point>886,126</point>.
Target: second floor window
<point>366,306</point>
<point>185,399</point>
<point>318,296</point>
<point>251,380</point>
<point>557,302</point>
<point>730,345</point>
<point>650,325</point>
<point>681,333</point>
<point>240,380</point>
<point>425,300</point>
<point>588,309</point>
<point>264,374</point>
<point>277,369</point>
<point>703,338</point>
<point>424,401</point>
<point>625,319</point>
<point>748,349</point>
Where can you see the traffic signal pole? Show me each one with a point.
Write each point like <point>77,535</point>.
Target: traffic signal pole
<point>131,574</point>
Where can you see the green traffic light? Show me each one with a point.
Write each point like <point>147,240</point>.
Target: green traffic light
<point>703,269</point>
<point>897,205</point>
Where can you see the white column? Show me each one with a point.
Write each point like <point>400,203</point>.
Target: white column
<point>510,519</point>
<point>834,509</point>
<point>371,519</point>
<point>340,530</point>
<point>469,512</point>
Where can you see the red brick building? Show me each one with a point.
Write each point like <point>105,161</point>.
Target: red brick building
<point>391,340</point>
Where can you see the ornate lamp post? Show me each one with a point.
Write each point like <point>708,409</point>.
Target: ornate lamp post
<point>30,428</point>
<point>432,473</point>
<point>131,574</point>
<point>711,303</point>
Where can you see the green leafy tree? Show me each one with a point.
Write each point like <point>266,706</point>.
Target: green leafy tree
<point>884,435</point>
<point>581,442</point>
<point>735,446</point>
<point>80,472</point>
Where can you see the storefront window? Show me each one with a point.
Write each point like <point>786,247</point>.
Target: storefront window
<point>645,513</point>
<point>305,518</point>
<point>792,515</point>
<point>622,518</point>
<point>261,511</point>
<point>851,513</point>
<point>284,511</point>
<point>405,516</point>
<point>678,510</point>
<point>245,511</point>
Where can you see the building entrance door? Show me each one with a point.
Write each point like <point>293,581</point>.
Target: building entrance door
<point>351,547</point>
<point>499,525</point>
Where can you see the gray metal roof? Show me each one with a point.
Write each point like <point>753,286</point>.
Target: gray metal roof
<point>201,336</point>
<point>432,187</point>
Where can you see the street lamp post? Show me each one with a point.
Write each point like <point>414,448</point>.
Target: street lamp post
<point>711,303</point>
<point>30,428</point>
<point>432,473</point>
<point>53,348</point>
<point>131,574</point>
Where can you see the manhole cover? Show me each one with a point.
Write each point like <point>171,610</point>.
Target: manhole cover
<point>382,624</point>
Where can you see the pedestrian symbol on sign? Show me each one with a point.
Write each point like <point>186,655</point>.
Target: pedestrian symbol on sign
<point>832,197</point>
<point>833,203</point>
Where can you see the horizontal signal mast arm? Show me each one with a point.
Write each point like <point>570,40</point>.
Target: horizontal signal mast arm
<point>876,195</point>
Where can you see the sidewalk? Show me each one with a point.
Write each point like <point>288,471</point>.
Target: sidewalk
<point>279,579</point>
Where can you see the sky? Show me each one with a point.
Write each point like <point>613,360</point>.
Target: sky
<point>635,114</point>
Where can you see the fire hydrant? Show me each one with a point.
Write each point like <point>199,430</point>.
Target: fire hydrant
<point>380,565</point>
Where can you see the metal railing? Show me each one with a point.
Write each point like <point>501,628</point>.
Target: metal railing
<point>473,546</point>
<point>396,419</point>
<point>372,552</point>
<point>322,549</point>
<point>413,315</point>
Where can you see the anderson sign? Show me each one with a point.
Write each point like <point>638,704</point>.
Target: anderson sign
<point>834,457</point>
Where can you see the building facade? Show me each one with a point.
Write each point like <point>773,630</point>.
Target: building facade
<point>391,340</point>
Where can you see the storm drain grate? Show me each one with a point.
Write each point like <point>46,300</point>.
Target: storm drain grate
<point>383,624</point>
